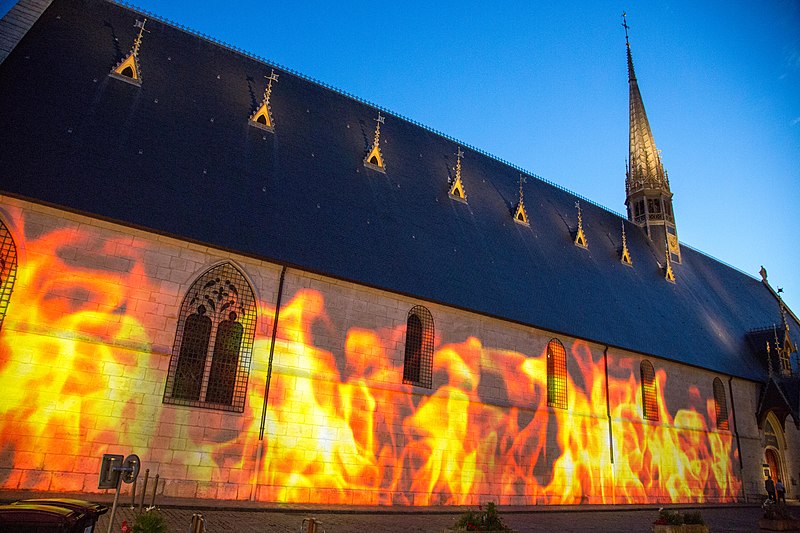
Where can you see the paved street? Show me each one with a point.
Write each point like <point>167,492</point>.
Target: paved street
<point>245,516</point>
<point>728,519</point>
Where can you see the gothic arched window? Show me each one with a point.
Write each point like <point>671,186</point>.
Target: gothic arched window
<point>8,269</point>
<point>210,361</point>
<point>418,362</point>
<point>720,405</point>
<point>649,396</point>
<point>556,374</point>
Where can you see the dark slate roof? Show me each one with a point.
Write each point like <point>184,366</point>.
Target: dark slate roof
<point>177,155</point>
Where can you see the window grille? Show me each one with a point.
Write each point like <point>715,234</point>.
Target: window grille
<point>720,405</point>
<point>418,362</point>
<point>8,269</point>
<point>210,361</point>
<point>649,397</point>
<point>556,375</point>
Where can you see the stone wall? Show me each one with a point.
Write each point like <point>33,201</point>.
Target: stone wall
<point>85,353</point>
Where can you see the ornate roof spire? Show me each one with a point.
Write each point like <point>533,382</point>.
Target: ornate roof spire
<point>648,197</point>
<point>646,170</point>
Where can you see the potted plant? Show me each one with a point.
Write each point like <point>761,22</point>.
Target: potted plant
<point>480,520</point>
<point>777,518</point>
<point>150,521</point>
<point>668,522</point>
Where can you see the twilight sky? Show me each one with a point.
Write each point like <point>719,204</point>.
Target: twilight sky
<point>544,86</point>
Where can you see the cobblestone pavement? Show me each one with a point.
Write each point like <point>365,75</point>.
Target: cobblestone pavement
<point>722,519</point>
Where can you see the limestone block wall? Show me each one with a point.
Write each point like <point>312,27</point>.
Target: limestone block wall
<point>85,353</point>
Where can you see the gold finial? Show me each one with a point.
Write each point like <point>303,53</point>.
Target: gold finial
<point>374,159</point>
<point>668,274</point>
<point>625,256</point>
<point>128,69</point>
<point>457,187</point>
<point>520,215</point>
<point>580,237</point>
<point>262,117</point>
<point>769,360</point>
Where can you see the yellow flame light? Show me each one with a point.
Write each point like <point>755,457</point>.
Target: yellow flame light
<point>79,379</point>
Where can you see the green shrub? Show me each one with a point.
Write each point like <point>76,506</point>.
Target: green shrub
<point>488,520</point>
<point>150,522</point>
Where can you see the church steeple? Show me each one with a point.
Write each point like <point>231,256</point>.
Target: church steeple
<point>648,197</point>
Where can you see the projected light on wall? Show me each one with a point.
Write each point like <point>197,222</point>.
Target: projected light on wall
<point>79,377</point>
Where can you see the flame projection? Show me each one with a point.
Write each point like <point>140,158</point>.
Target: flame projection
<point>79,377</point>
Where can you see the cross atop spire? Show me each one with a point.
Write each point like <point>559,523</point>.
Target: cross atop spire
<point>625,25</point>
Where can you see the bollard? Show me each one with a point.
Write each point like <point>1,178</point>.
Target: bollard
<point>133,495</point>
<point>144,489</point>
<point>197,525</point>
<point>311,525</point>
<point>155,488</point>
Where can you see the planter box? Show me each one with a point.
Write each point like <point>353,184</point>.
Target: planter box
<point>685,528</point>
<point>459,530</point>
<point>778,525</point>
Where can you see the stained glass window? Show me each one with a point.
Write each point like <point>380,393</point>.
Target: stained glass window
<point>556,375</point>
<point>721,406</point>
<point>210,361</point>
<point>8,269</point>
<point>418,362</point>
<point>649,396</point>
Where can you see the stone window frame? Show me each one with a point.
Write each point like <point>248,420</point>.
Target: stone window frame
<point>720,405</point>
<point>212,371</point>
<point>8,269</point>
<point>649,392</point>
<point>418,358</point>
<point>556,374</point>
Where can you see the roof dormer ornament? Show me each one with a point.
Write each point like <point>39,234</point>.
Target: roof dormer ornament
<point>520,215</point>
<point>374,159</point>
<point>128,69</point>
<point>580,237</point>
<point>668,274</point>
<point>457,187</point>
<point>625,255</point>
<point>262,117</point>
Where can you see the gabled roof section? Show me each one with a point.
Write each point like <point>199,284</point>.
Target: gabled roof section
<point>209,179</point>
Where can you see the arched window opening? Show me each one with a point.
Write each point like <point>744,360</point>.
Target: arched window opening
<point>210,362</point>
<point>649,396</point>
<point>418,362</point>
<point>8,269</point>
<point>556,375</point>
<point>720,405</point>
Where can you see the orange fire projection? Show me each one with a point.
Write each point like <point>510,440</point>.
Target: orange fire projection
<point>79,378</point>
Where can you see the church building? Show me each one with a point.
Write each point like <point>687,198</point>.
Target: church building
<point>273,291</point>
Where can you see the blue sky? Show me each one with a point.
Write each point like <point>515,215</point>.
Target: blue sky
<point>544,86</point>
